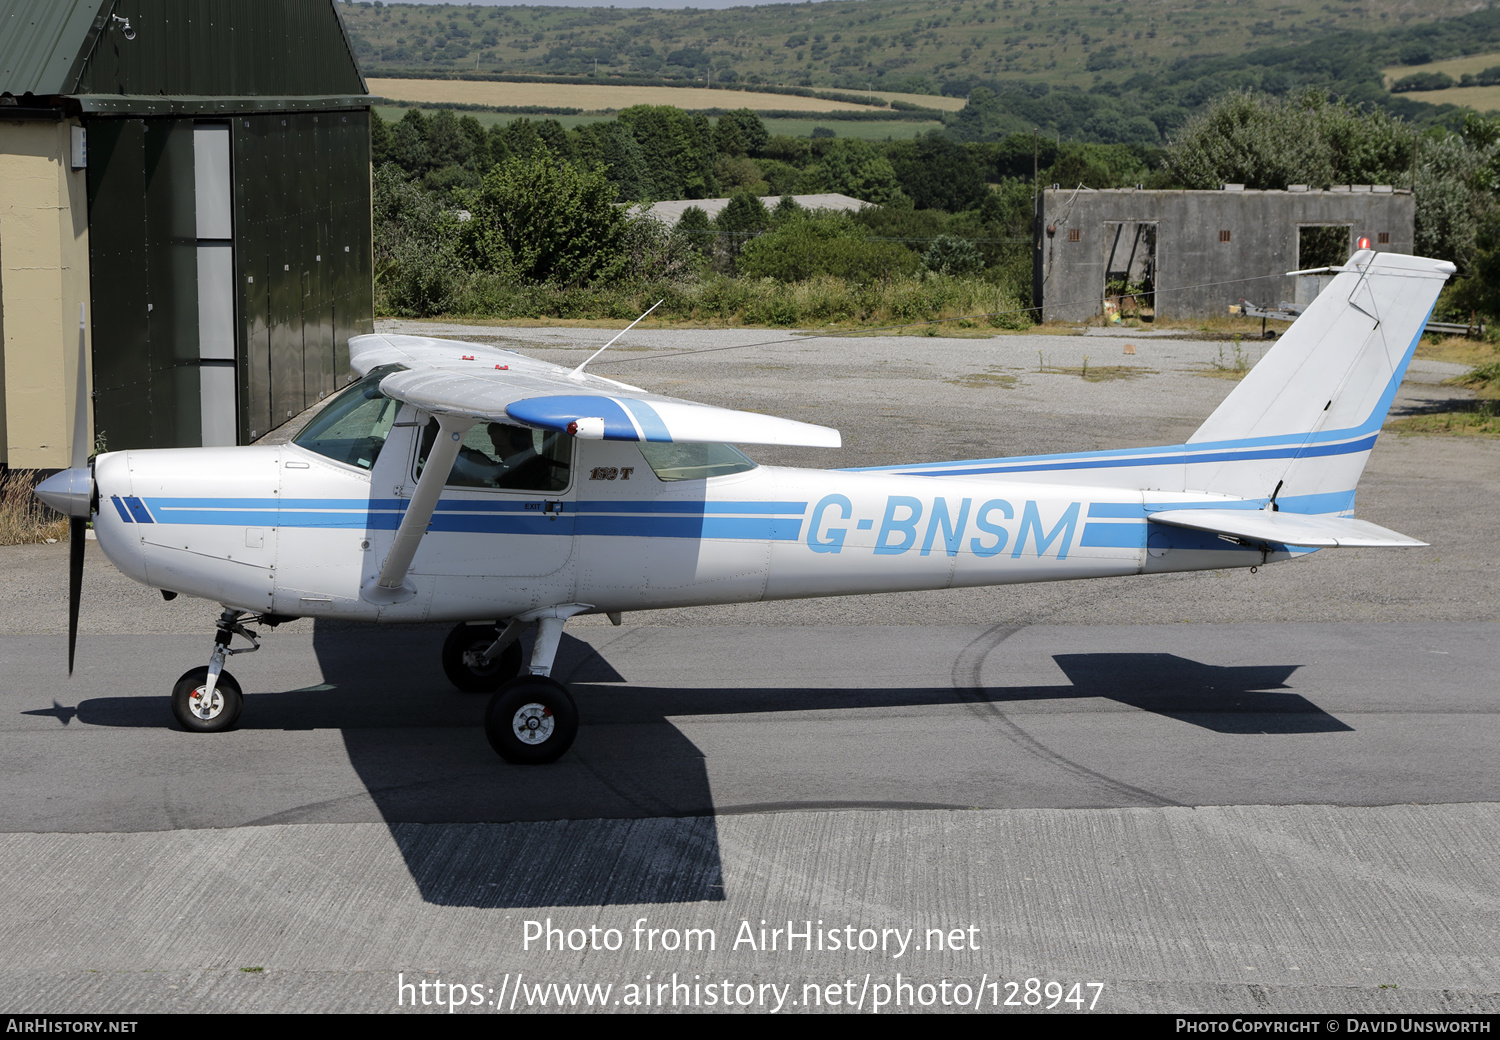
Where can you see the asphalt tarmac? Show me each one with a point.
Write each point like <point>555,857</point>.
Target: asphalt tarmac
<point>1208,792</point>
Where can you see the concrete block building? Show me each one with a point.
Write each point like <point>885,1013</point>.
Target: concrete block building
<point>196,174</point>
<point>1190,254</point>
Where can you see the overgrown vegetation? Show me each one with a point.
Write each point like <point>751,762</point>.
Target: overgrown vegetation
<point>24,520</point>
<point>522,220</point>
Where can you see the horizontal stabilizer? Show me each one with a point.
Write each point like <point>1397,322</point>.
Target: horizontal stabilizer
<point>1262,525</point>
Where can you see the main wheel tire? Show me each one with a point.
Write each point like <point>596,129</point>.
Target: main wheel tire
<point>531,720</point>
<point>219,714</point>
<point>477,638</point>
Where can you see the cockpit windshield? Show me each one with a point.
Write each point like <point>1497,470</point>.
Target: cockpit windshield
<point>353,427</point>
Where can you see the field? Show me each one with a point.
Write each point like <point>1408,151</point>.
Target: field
<point>1481,99</point>
<point>864,130</point>
<point>1471,64</point>
<point>858,44</point>
<point>604,97</point>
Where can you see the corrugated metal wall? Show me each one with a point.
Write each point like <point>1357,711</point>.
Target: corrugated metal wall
<point>143,274</point>
<point>302,255</point>
<point>301,259</point>
<point>224,48</point>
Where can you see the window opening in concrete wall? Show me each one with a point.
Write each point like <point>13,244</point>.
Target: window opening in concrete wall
<point>1319,245</point>
<point>1322,245</point>
<point>1130,269</point>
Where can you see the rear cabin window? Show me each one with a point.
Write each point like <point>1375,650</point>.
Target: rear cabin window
<point>353,427</point>
<point>504,457</point>
<point>694,461</point>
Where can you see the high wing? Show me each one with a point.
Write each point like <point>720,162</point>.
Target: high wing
<point>448,377</point>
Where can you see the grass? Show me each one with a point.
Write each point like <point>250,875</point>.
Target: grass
<point>994,379</point>
<point>1458,349</point>
<point>1482,419</point>
<point>1484,380</point>
<point>24,520</point>
<point>1233,366</point>
<point>864,129</point>
<point>718,300</point>
<point>1096,373</point>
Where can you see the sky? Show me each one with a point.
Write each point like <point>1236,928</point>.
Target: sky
<point>676,5</point>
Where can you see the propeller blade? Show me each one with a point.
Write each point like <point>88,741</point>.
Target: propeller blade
<point>77,527</point>
<point>81,442</point>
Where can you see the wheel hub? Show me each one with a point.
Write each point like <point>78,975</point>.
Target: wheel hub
<point>533,723</point>
<point>205,708</point>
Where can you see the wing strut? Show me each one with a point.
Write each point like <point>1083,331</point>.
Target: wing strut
<point>390,586</point>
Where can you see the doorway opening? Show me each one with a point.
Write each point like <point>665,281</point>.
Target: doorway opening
<point>1130,270</point>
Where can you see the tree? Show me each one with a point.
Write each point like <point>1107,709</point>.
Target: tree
<point>417,269</point>
<point>740,132</point>
<point>608,144</point>
<point>546,220</point>
<point>695,229</point>
<point>852,167</point>
<point>678,148</point>
<point>938,173</point>
<point>745,214</point>
<point>1269,142</point>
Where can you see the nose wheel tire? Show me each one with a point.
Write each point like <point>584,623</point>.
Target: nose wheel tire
<point>531,720</point>
<point>476,639</point>
<point>213,714</point>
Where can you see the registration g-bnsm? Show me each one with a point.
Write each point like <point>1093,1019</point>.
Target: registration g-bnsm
<point>475,486</point>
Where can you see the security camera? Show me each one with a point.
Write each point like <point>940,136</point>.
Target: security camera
<point>125,29</point>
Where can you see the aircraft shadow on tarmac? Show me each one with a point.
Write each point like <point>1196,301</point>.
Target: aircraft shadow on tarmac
<point>627,816</point>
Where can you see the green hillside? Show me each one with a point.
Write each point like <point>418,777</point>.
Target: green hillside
<point>856,44</point>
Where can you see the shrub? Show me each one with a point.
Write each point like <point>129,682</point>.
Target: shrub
<point>826,244</point>
<point>952,255</point>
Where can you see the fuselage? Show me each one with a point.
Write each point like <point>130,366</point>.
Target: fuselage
<point>286,530</point>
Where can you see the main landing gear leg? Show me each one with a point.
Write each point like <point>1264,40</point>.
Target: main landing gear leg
<point>482,658</point>
<point>532,719</point>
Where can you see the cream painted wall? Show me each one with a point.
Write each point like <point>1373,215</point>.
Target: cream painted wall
<point>44,277</point>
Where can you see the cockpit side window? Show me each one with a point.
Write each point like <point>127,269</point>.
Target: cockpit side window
<point>505,457</point>
<point>353,427</point>
<point>694,461</point>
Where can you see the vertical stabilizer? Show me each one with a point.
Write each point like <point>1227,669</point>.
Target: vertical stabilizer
<point>1305,418</point>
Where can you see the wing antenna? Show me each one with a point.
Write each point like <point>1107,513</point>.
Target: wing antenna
<point>578,372</point>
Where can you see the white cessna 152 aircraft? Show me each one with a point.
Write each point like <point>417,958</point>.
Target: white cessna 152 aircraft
<point>472,485</point>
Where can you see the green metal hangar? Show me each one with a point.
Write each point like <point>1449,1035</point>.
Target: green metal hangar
<point>196,172</point>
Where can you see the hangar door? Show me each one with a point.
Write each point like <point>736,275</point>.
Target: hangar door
<point>229,265</point>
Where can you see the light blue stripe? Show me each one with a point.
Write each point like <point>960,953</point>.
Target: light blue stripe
<point>650,423</point>
<point>1113,536</point>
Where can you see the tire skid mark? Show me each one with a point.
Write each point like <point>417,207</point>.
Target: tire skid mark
<point>968,669</point>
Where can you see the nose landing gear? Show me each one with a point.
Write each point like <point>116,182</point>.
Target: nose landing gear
<point>207,699</point>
